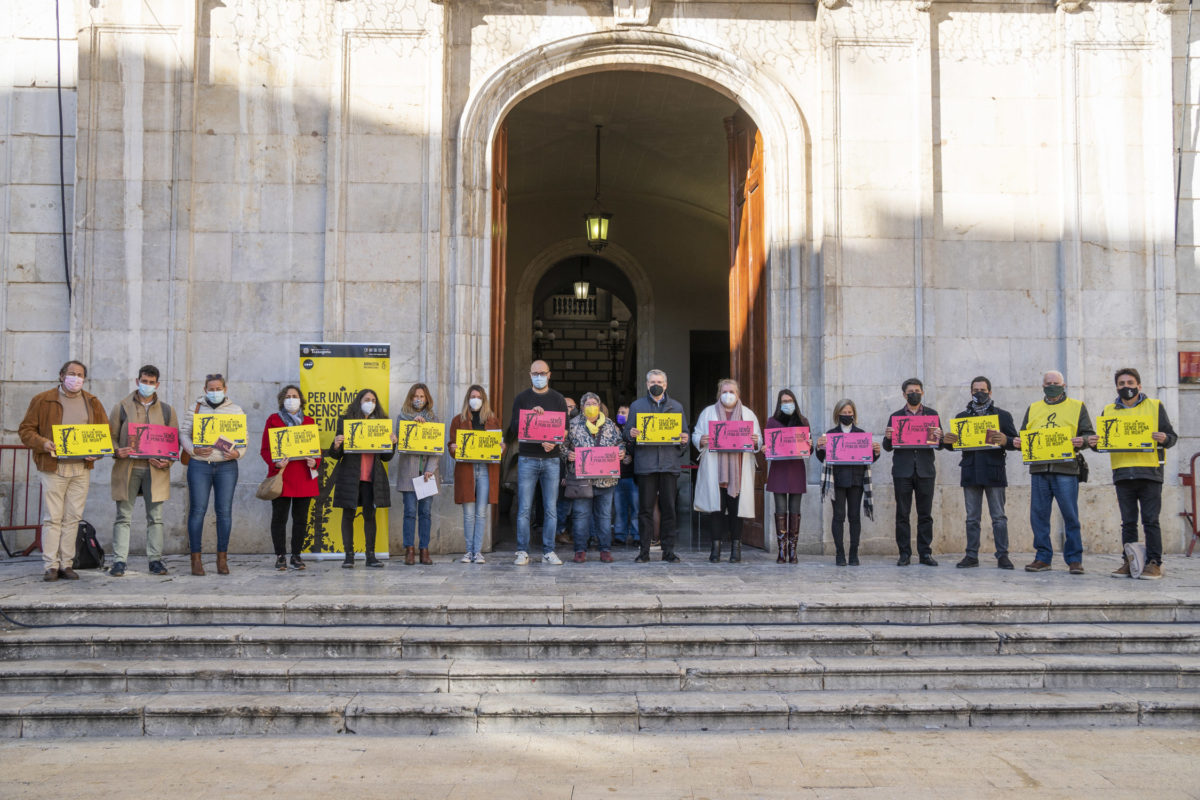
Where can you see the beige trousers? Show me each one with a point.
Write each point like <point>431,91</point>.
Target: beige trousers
<point>64,494</point>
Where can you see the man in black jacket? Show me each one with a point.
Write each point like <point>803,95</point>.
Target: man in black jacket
<point>657,467</point>
<point>914,473</point>
<point>537,465</point>
<point>984,474</point>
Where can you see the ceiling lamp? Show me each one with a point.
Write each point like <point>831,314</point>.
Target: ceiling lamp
<point>582,288</point>
<point>597,219</point>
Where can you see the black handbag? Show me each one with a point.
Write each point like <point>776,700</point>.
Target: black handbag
<point>578,489</point>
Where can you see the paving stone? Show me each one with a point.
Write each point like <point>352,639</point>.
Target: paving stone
<point>811,640</point>
<point>1135,671</point>
<point>47,676</point>
<point>609,610</point>
<point>1179,708</point>
<point>932,640</point>
<point>503,642</point>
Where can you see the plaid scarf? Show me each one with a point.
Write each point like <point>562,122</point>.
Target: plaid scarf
<point>827,486</point>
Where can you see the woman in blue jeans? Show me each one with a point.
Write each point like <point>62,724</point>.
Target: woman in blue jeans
<point>591,428</point>
<point>212,471</point>
<point>418,407</point>
<point>476,486</point>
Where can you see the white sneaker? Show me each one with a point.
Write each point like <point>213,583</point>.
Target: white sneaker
<point>466,559</point>
<point>552,558</point>
<point>522,558</point>
<point>478,558</point>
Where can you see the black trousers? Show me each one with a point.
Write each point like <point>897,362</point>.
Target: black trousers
<point>366,502</point>
<point>728,521</point>
<point>657,487</point>
<point>905,489</point>
<point>279,517</point>
<point>847,500</point>
<point>1148,495</point>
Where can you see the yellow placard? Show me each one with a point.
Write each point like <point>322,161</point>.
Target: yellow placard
<point>659,428</point>
<point>478,446</point>
<point>297,441</point>
<point>420,437</point>
<point>81,441</point>
<point>972,431</point>
<point>1046,444</point>
<point>1126,433</point>
<point>367,436</point>
<point>207,428</point>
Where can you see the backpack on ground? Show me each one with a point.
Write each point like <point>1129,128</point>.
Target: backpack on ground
<point>88,552</point>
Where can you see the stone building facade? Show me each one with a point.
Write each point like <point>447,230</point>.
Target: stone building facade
<point>951,189</point>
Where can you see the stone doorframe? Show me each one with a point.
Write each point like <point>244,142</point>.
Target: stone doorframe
<point>522,326</point>
<point>787,167</point>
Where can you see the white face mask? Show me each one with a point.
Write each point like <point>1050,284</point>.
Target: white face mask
<point>728,398</point>
<point>475,403</point>
<point>367,407</point>
<point>291,404</point>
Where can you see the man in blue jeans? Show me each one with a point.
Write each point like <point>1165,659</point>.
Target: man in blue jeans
<point>1056,480</point>
<point>537,465</point>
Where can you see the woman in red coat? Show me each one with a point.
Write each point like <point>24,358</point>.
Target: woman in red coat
<point>476,486</point>
<point>299,481</point>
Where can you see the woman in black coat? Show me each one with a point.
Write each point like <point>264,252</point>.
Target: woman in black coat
<point>359,479</point>
<point>850,484</point>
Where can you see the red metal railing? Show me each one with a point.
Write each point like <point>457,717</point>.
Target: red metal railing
<point>21,484</point>
<point>1189,479</point>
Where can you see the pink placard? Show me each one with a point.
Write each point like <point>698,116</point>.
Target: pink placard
<point>848,448</point>
<point>597,462</point>
<point>735,436</point>
<point>549,426</point>
<point>913,431</point>
<point>783,444</point>
<point>153,441</point>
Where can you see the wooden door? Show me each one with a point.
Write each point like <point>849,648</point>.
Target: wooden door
<point>499,265</point>
<point>747,286</point>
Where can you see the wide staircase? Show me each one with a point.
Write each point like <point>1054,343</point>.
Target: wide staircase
<point>208,664</point>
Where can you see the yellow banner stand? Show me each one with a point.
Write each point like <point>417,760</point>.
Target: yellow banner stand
<point>331,374</point>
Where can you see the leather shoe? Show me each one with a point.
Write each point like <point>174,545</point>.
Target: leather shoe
<point>928,561</point>
<point>424,556</point>
<point>903,561</point>
<point>642,558</point>
<point>671,558</point>
<point>967,563</point>
<point>580,556</point>
<point>606,556</point>
<point>51,575</point>
<point>1076,568</point>
<point>410,556</point>
<point>1003,562</point>
<point>68,573</point>
<point>1037,566</point>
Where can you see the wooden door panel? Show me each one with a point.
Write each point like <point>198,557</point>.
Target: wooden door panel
<point>499,264</point>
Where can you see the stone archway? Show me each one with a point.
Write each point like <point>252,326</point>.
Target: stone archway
<point>775,111</point>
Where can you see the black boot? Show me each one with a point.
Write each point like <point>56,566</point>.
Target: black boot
<point>793,536</point>
<point>781,538</point>
<point>714,555</point>
<point>348,549</point>
<point>735,551</point>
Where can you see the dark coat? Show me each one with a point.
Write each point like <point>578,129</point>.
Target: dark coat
<point>787,477</point>
<point>652,458</point>
<point>846,475</point>
<point>345,475</point>
<point>909,462</point>
<point>986,467</point>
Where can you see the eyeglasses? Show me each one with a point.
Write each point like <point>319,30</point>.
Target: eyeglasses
<point>538,374</point>
<point>216,376</point>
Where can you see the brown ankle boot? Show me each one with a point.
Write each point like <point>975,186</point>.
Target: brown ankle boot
<point>222,564</point>
<point>197,566</point>
<point>793,536</point>
<point>425,559</point>
<point>410,556</point>
<point>781,538</point>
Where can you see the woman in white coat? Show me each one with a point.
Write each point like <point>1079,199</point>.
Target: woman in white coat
<point>725,480</point>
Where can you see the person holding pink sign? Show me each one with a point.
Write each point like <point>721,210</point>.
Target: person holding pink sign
<point>591,497</point>
<point>914,472</point>
<point>725,480</point>
<point>787,480</point>
<point>847,476</point>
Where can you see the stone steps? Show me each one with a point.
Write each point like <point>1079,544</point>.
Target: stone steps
<point>604,676</point>
<point>190,714</point>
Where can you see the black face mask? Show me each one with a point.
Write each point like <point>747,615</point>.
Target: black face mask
<point>656,390</point>
<point>981,397</point>
<point>1054,391</point>
<point>1127,392</point>
<point>846,419</point>
<point>914,398</point>
<point>574,412</point>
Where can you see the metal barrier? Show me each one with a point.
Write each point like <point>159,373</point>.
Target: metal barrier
<point>1189,480</point>
<point>21,453</point>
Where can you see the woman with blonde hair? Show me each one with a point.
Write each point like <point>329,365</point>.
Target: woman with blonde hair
<point>476,486</point>
<point>851,483</point>
<point>725,480</point>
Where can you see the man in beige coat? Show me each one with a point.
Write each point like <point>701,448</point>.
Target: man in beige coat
<point>133,476</point>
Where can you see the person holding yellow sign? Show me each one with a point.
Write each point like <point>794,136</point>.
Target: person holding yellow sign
<point>476,484</point>
<point>299,477</point>
<point>656,465</point>
<point>1054,475</point>
<point>984,433</point>
<point>359,479</point>
<point>418,407</point>
<point>64,482</point>
<point>214,449</point>
<point>1137,474</point>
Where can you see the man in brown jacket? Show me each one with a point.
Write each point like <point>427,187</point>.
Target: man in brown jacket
<point>64,483</point>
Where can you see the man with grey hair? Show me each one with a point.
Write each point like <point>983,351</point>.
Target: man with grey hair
<point>656,466</point>
<point>1056,480</point>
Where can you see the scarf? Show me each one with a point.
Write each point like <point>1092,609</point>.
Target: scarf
<point>290,420</point>
<point>827,485</point>
<point>979,409</point>
<point>594,427</point>
<point>729,465</point>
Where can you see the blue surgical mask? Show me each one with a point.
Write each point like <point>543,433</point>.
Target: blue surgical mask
<point>146,390</point>
<point>788,408</point>
<point>215,398</point>
<point>539,381</point>
<point>622,419</point>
